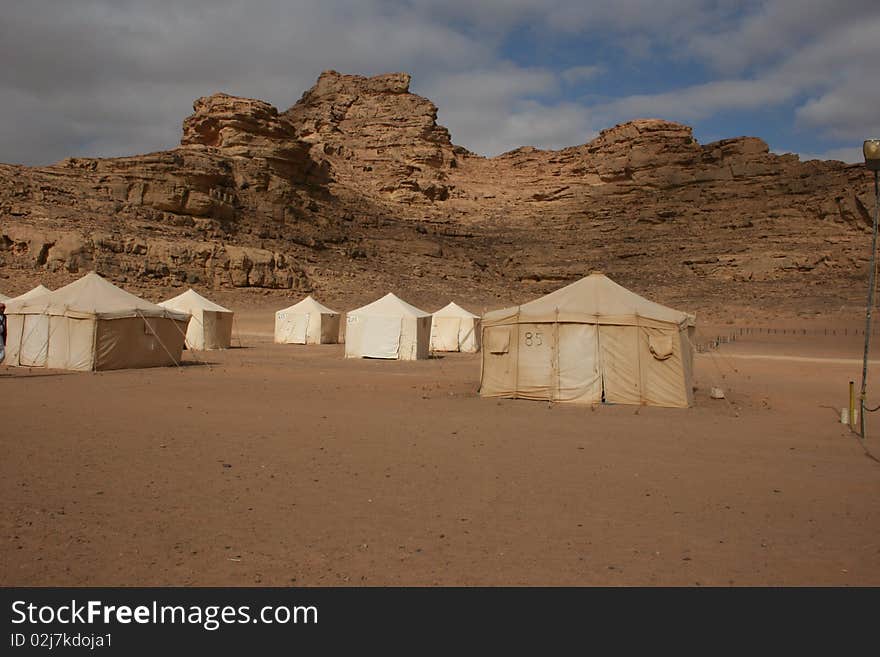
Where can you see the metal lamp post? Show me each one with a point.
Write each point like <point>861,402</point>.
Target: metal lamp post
<point>871,150</point>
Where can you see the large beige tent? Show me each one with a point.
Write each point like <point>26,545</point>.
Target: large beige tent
<point>93,325</point>
<point>589,342</point>
<point>307,322</point>
<point>210,325</point>
<point>388,328</point>
<point>455,329</point>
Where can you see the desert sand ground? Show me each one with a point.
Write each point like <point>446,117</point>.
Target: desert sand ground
<point>287,465</point>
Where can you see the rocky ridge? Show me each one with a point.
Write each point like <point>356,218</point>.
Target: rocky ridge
<point>356,188</point>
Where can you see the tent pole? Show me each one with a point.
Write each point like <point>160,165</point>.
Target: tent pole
<point>555,357</point>
<point>95,344</point>
<point>516,360</point>
<point>639,361</point>
<point>852,404</point>
<point>482,357</point>
<point>870,306</point>
<point>20,339</point>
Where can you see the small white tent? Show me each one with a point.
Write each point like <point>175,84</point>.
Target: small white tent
<point>388,328</point>
<point>93,325</point>
<point>210,325</point>
<point>307,322</point>
<point>455,329</point>
<point>589,342</point>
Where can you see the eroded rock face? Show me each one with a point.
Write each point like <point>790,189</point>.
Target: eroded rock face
<point>241,175</point>
<point>386,139</point>
<point>228,122</point>
<point>356,188</point>
<point>134,258</point>
<point>719,223</point>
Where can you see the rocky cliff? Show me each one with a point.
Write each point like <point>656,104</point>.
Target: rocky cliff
<point>382,139</point>
<point>356,188</point>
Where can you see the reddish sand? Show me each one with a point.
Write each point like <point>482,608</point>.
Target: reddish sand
<point>280,465</point>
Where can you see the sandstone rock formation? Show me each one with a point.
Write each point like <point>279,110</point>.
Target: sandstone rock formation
<point>382,137</point>
<point>356,189</point>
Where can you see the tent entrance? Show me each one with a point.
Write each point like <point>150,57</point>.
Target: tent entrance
<point>619,364</point>
<point>578,371</point>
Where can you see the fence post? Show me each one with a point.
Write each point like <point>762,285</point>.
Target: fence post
<point>852,404</point>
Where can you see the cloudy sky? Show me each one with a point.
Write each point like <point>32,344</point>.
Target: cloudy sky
<point>117,77</point>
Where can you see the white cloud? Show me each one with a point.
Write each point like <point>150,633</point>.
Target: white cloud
<point>847,111</point>
<point>832,78</point>
<point>774,29</point>
<point>113,77</point>
<point>641,25</point>
<point>700,101</point>
<point>490,86</point>
<point>528,123</point>
<point>491,111</point>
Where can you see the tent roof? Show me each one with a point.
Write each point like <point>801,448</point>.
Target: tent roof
<point>452,309</point>
<point>3,297</point>
<point>192,300</point>
<point>593,299</point>
<point>309,305</point>
<point>389,306</point>
<point>38,291</point>
<point>14,303</point>
<point>92,296</point>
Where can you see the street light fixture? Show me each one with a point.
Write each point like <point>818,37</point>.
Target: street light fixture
<point>871,151</point>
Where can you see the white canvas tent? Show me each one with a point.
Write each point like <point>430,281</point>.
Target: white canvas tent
<point>210,325</point>
<point>307,322</point>
<point>589,342</point>
<point>93,325</point>
<point>455,329</point>
<point>388,328</point>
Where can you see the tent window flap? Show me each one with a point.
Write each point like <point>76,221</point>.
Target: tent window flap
<point>498,340</point>
<point>660,346</point>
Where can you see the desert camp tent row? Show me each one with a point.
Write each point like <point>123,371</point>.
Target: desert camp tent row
<point>388,328</point>
<point>93,325</point>
<point>590,342</point>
